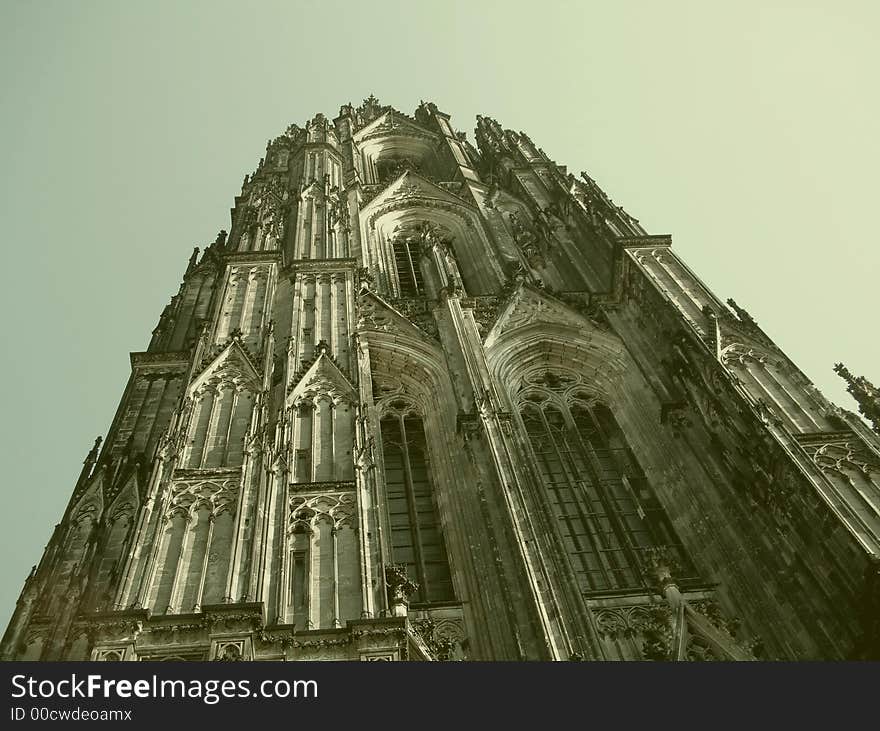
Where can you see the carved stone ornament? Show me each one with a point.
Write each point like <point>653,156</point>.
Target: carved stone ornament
<point>229,651</point>
<point>864,392</point>
<point>400,588</point>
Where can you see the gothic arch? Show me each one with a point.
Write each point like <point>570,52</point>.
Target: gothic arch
<point>605,515</point>
<point>536,330</point>
<point>393,137</point>
<point>415,418</point>
<point>223,397</point>
<point>76,546</point>
<point>566,379</point>
<point>118,523</point>
<point>403,363</point>
<point>410,200</point>
<point>322,409</point>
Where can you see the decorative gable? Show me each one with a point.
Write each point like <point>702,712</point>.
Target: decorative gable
<point>378,315</point>
<point>232,367</point>
<point>323,377</point>
<point>393,124</point>
<point>411,187</point>
<point>90,502</point>
<point>529,305</point>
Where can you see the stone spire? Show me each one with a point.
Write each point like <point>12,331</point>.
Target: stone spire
<point>863,391</point>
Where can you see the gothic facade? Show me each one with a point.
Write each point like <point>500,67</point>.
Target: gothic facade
<point>438,400</point>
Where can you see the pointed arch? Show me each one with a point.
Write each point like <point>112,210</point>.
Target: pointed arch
<point>564,375</point>
<point>414,414</point>
<point>412,199</point>
<point>223,395</point>
<point>322,406</point>
<point>118,524</point>
<point>535,329</point>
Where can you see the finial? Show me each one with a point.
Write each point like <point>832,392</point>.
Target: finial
<point>864,392</point>
<point>742,314</point>
<point>193,259</point>
<point>322,348</point>
<point>92,456</point>
<point>399,587</point>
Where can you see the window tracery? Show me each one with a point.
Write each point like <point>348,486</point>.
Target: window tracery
<point>416,535</point>
<point>609,520</point>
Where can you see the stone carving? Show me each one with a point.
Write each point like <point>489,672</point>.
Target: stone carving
<point>744,317</point>
<point>337,210</point>
<point>840,453</point>
<point>399,588</point>
<point>485,310</point>
<point>393,168</point>
<point>527,240</point>
<point>190,496</point>
<point>655,628</point>
<point>305,510</point>
<point>110,655</point>
<point>650,624</point>
<point>321,378</point>
<point>228,365</point>
<point>441,639</point>
<point>373,314</point>
<point>369,110</point>
<point>229,651</point>
<point>267,207</point>
<point>677,415</point>
<point>419,313</point>
<point>864,392</point>
<point>271,198</point>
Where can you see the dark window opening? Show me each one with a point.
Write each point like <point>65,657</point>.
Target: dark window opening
<point>416,537</point>
<point>609,520</point>
<point>409,275</point>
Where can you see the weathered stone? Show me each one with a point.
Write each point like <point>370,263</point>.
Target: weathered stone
<point>431,401</point>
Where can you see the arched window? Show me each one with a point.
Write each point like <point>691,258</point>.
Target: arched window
<point>608,517</point>
<point>416,537</point>
<point>406,259</point>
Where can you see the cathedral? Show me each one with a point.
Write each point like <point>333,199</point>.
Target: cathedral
<point>441,400</point>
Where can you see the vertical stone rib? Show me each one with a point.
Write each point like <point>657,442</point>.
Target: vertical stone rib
<point>227,430</point>
<point>336,619</point>
<point>212,425</point>
<point>174,597</point>
<point>203,573</point>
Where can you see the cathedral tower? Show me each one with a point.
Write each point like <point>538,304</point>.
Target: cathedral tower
<point>431,400</point>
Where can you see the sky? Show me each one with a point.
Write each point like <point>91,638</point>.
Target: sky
<point>746,130</point>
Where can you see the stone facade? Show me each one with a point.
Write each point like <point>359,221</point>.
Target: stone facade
<point>443,401</point>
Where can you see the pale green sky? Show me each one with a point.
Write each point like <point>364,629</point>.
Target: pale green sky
<point>747,130</point>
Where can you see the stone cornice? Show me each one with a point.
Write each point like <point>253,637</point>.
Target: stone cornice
<point>178,360</point>
<point>253,257</point>
<point>650,240</point>
<point>825,437</point>
<point>320,265</point>
<point>206,474</point>
<point>323,487</point>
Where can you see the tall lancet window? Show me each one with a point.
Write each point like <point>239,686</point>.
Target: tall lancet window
<point>416,537</point>
<point>406,259</point>
<point>608,518</point>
